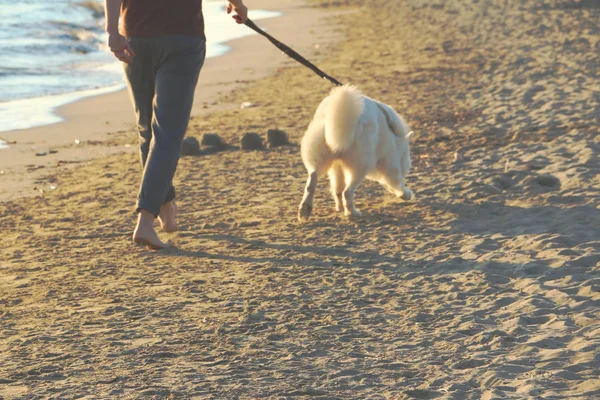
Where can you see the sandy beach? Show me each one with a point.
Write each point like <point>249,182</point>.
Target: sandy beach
<point>486,287</point>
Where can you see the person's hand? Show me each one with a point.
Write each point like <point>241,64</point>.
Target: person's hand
<point>241,11</point>
<point>120,47</point>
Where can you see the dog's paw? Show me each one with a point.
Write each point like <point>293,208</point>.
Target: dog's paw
<point>304,212</point>
<point>352,213</point>
<point>408,195</point>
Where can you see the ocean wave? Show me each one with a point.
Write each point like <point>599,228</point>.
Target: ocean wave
<point>69,26</point>
<point>32,71</point>
<point>58,37</point>
<point>95,7</point>
<point>55,50</point>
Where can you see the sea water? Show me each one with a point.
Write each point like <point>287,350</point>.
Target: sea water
<point>53,52</point>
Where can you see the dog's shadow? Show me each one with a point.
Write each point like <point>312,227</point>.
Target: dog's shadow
<point>285,254</point>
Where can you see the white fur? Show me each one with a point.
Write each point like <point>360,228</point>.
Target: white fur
<point>353,137</point>
<point>340,129</point>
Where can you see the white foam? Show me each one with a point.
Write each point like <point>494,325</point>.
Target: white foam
<point>28,113</point>
<point>39,111</point>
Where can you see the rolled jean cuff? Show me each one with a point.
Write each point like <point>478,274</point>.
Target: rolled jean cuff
<point>150,206</point>
<point>170,195</point>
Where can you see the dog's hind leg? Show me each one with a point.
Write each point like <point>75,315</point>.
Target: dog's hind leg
<point>395,184</point>
<point>306,205</point>
<point>317,159</point>
<point>353,179</point>
<point>336,178</point>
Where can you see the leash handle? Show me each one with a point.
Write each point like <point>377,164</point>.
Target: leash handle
<point>291,53</point>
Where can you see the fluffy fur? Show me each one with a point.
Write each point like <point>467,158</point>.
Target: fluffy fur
<point>353,137</point>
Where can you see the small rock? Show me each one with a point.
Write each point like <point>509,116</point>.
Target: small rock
<point>538,163</point>
<point>252,141</point>
<point>448,46</point>
<point>503,182</point>
<point>535,166</point>
<point>190,147</point>
<point>276,137</point>
<point>548,181</point>
<point>41,153</point>
<point>247,104</point>
<point>214,140</point>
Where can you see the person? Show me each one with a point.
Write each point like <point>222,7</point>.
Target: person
<point>162,46</point>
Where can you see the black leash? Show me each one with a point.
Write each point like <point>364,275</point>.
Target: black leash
<point>291,53</point>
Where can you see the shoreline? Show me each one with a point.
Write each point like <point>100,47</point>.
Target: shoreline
<point>34,111</point>
<point>249,58</point>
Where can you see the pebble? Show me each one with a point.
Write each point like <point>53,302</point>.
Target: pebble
<point>548,180</point>
<point>538,163</point>
<point>503,182</point>
<point>247,104</point>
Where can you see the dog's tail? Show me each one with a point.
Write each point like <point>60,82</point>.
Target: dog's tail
<point>344,108</point>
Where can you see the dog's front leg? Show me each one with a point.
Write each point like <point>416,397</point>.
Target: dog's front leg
<point>306,205</point>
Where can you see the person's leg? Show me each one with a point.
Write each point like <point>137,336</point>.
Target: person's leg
<point>140,75</point>
<point>140,82</point>
<point>178,60</point>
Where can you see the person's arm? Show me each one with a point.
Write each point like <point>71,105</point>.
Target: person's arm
<point>118,44</point>
<point>241,11</point>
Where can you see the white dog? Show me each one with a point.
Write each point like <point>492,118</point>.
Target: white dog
<point>353,137</point>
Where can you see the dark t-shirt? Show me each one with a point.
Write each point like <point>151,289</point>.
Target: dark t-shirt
<point>152,18</point>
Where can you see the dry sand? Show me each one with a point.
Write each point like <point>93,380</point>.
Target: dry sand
<point>486,288</point>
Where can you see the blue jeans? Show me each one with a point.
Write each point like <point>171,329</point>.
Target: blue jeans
<point>161,79</point>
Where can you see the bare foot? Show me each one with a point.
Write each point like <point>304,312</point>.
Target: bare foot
<point>145,234</point>
<point>167,216</point>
